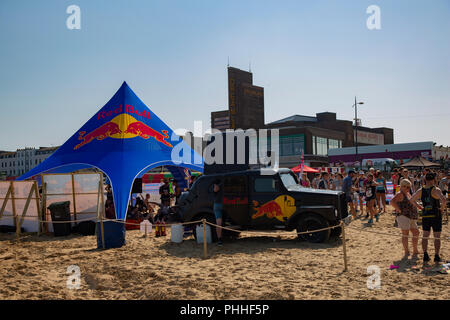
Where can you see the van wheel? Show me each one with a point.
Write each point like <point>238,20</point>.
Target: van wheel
<point>311,222</point>
<point>210,218</point>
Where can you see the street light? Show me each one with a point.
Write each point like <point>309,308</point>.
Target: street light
<point>356,127</point>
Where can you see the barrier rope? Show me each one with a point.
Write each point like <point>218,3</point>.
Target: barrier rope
<point>104,220</point>
<point>165,225</point>
<point>272,233</point>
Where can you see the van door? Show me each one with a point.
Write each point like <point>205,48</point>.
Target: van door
<point>266,207</point>
<point>235,199</point>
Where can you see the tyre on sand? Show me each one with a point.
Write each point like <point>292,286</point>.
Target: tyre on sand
<point>311,222</point>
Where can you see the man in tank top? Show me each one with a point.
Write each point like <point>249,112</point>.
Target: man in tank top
<point>433,201</point>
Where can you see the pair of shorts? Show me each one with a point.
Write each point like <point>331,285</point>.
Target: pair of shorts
<point>381,191</point>
<point>218,210</point>
<point>349,199</point>
<point>432,223</point>
<point>406,223</point>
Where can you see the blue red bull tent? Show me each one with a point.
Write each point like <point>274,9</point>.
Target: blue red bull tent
<point>124,139</point>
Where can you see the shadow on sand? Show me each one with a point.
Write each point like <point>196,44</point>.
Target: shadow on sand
<point>248,245</point>
<point>416,265</point>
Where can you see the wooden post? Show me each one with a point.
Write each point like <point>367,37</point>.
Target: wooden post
<point>204,239</point>
<point>145,229</point>
<point>27,204</point>
<point>44,205</point>
<point>38,206</point>
<point>344,246</point>
<point>73,196</point>
<point>8,194</point>
<point>14,210</point>
<point>17,228</point>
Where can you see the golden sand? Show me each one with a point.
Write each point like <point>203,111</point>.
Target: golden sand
<point>251,267</point>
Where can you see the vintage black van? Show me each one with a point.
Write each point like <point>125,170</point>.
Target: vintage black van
<point>266,199</point>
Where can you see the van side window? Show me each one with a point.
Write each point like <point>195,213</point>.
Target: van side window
<point>265,185</point>
<point>235,185</point>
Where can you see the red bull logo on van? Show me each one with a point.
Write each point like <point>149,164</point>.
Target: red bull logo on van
<point>123,126</point>
<point>280,208</point>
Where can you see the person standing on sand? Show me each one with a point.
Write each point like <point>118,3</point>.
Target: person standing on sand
<point>348,189</point>
<point>370,186</point>
<point>360,181</point>
<point>431,214</point>
<point>218,206</point>
<point>407,216</point>
<point>381,191</point>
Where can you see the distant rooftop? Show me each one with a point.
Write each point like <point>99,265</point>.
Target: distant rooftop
<point>296,118</point>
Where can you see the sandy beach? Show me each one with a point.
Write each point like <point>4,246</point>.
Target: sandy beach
<point>251,267</point>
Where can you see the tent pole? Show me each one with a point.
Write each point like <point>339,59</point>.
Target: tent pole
<point>102,206</point>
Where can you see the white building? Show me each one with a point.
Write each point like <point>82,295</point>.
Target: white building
<point>16,163</point>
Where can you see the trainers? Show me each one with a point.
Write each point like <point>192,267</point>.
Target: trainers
<point>437,258</point>
<point>370,221</point>
<point>219,242</point>
<point>377,217</point>
<point>426,257</point>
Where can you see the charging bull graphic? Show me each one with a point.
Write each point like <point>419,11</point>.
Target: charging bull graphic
<point>123,126</point>
<point>102,132</point>
<point>146,132</point>
<point>280,208</point>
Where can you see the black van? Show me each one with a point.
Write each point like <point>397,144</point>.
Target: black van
<point>266,199</point>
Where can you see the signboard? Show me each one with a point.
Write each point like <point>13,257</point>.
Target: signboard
<point>369,137</point>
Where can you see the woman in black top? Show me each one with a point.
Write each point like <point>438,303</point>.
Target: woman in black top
<point>370,195</point>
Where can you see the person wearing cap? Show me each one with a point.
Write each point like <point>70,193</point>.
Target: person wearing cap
<point>434,204</point>
<point>348,189</point>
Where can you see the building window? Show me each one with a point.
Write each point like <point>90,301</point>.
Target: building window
<point>292,145</point>
<point>322,147</point>
<point>334,144</point>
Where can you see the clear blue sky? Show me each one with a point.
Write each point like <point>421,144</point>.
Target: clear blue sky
<point>310,56</point>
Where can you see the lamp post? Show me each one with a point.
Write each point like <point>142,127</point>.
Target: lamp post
<point>356,127</point>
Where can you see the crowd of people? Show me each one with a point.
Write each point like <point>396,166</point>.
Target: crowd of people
<point>144,208</point>
<point>417,194</point>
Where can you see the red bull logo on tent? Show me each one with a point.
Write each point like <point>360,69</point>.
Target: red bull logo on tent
<point>123,126</point>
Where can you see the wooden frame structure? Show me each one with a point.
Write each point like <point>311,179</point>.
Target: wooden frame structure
<point>20,217</point>
<point>73,195</point>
